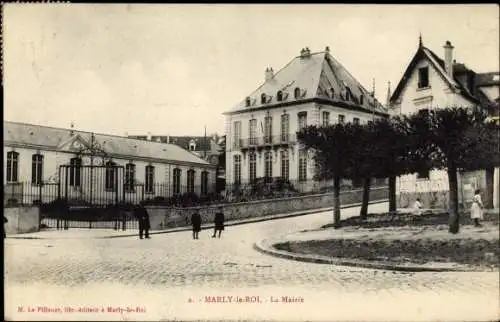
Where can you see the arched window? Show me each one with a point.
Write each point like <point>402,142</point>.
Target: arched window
<point>110,176</point>
<point>247,101</point>
<point>296,92</point>
<point>37,169</point>
<point>129,177</point>
<point>263,98</point>
<point>347,95</point>
<point>12,166</point>
<point>332,92</point>
<point>190,181</point>
<point>75,172</point>
<point>279,96</point>
<point>150,178</point>
<point>176,182</point>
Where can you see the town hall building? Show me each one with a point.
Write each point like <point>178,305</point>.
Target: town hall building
<point>312,89</point>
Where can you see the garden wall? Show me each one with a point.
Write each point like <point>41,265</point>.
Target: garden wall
<point>162,217</point>
<point>21,219</point>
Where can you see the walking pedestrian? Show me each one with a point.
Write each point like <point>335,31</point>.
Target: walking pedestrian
<point>219,222</point>
<point>143,220</point>
<point>196,222</point>
<point>476,209</point>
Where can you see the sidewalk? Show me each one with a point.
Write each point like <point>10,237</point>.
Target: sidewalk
<point>82,233</point>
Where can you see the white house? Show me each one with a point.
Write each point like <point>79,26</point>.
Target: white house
<point>311,89</point>
<point>430,82</point>
<point>43,163</point>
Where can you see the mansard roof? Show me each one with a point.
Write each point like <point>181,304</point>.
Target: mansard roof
<point>315,76</point>
<point>51,138</point>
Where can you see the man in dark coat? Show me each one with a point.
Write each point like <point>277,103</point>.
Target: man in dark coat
<point>219,222</point>
<point>196,222</point>
<point>143,220</point>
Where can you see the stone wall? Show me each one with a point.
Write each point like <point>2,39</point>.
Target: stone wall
<point>162,217</point>
<point>21,219</point>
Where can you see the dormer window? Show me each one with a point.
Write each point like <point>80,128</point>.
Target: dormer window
<point>263,98</point>
<point>361,99</point>
<point>332,92</point>
<point>296,92</point>
<point>347,94</point>
<point>248,102</point>
<point>279,96</point>
<point>192,146</point>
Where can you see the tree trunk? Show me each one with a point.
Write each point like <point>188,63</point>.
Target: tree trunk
<point>454,219</point>
<point>366,198</point>
<point>392,194</point>
<point>336,202</point>
<point>488,194</point>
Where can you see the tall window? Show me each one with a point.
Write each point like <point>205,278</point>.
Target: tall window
<point>268,129</point>
<point>150,179</point>
<point>37,169</point>
<point>423,77</point>
<point>252,131</point>
<point>176,181</point>
<point>237,169</point>
<point>355,121</point>
<point>110,175</point>
<point>12,166</point>
<point>302,120</point>
<point>252,166</point>
<point>285,165</point>
<point>285,127</point>
<point>268,165</point>
<point>302,165</point>
<point>341,119</point>
<point>75,172</point>
<point>190,181</point>
<point>326,118</point>
<point>129,177</point>
<point>237,134</point>
<point>204,183</point>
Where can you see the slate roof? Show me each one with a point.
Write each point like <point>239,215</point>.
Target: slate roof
<point>55,138</point>
<point>459,83</point>
<point>202,143</point>
<point>315,74</point>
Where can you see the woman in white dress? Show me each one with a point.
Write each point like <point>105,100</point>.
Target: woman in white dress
<point>476,209</point>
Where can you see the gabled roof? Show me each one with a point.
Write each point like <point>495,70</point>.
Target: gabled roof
<point>53,138</point>
<point>315,75</point>
<point>439,65</point>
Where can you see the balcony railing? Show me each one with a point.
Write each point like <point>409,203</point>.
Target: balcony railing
<point>282,139</point>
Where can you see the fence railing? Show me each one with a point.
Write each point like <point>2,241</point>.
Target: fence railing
<point>281,139</point>
<point>182,195</point>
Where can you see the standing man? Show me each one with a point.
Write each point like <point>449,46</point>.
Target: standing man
<point>196,222</point>
<point>143,220</point>
<point>219,222</point>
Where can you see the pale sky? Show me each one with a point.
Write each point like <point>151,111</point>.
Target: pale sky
<point>172,69</point>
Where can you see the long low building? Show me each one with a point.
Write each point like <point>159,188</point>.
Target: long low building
<point>44,163</point>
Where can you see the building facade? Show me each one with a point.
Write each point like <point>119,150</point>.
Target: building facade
<point>45,163</point>
<point>431,82</point>
<point>261,130</point>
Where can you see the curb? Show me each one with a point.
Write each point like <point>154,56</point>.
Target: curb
<point>267,247</point>
<point>229,223</point>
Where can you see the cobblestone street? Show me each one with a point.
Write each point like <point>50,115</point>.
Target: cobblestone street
<point>172,276</point>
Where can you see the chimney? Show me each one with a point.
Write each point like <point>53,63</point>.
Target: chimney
<point>269,74</point>
<point>148,136</point>
<point>327,49</point>
<point>168,139</point>
<point>448,58</point>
